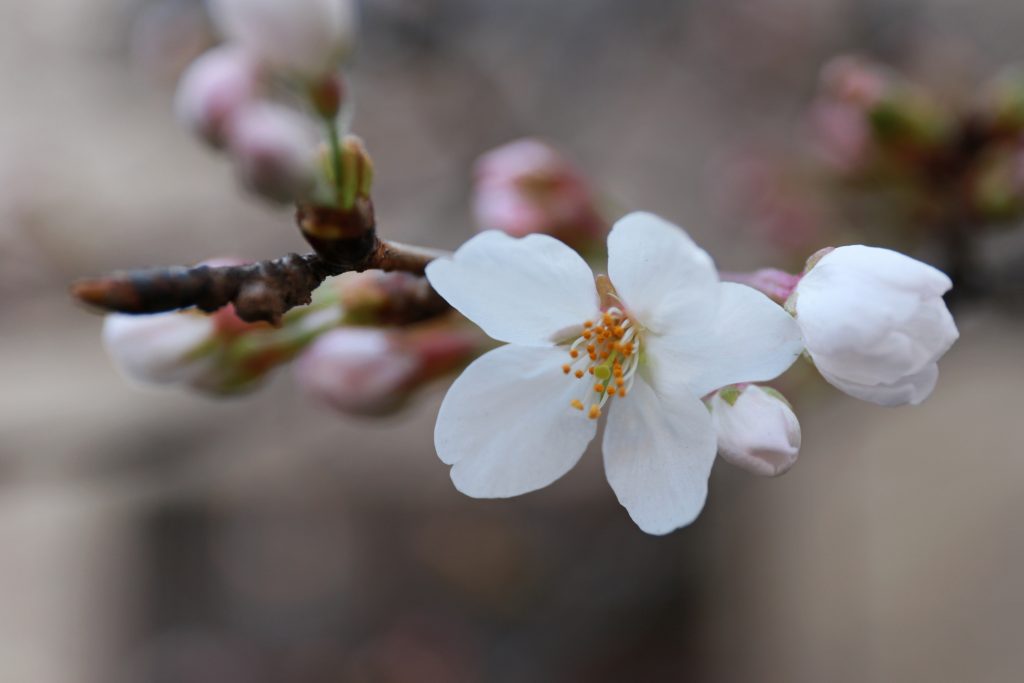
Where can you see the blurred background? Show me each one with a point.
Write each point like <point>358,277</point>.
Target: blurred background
<point>153,535</point>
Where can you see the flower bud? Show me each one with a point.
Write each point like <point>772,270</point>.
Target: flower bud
<point>275,151</point>
<point>527,187</point>
<point>774,283</point>
<point>365,371</point>
<point>213,89</point>
<point>874,323</point>
<point>307,38</point>
<point>356,172</point>
<point>162,348</point>
<point>757,429</point>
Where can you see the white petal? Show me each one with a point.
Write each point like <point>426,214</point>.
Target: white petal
<point>906,390</point>
<point>751,339</point>
<point>658,453</point>
<point>661,275</point>
<point>506,424</point>
<point>532,291</point>
<point>889,268</point>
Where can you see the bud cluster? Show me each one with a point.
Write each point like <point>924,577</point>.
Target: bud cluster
<point>272,95</point>
<point>349,348</point>
<point>880,129</point>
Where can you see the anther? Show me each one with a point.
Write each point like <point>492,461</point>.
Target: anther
<point>579,373</point>
<point>566,368</point>
<point>577,404</point>
<point>595,411</point>
<point>574,353</point>
<point>599,388</point>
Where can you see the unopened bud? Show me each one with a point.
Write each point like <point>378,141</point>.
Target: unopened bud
<point>307,38</point>
<point>356,169</point>
<point>274,149</point>
<point>772,282</point>
<point>213,90</point>
<point>757,429</point>
<point>162,348</point>
<point>527,187</point>
<point>874,322</point>
<point>365,371</point>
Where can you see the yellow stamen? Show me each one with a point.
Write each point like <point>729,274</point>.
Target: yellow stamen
<point>577,404</point>
<point>595,411</point>
<point>566,368</point>
<point>579,374</point>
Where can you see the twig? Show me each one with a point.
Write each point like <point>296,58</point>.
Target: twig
<point>265,290</point>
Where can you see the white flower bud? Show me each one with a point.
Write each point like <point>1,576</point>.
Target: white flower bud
<point>757,430</point>
<point>874,323</point>
<point>309,38</point>
<point>162,348</point>
<point>275,150</point>
<point>213,89</point>
<point>357,370</point>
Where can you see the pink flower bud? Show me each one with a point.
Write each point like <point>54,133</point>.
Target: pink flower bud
<point>757,430</point>
<point>309,38</point>
<point>358,370</point>
<point>527,187</point>
<point>275,151</point>
<point>772,282</point>
<point>366,371</point>
<point>213,90</point>
<point>162,348</point>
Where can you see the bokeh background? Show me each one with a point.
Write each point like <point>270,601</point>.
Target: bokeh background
<point>152,535</point>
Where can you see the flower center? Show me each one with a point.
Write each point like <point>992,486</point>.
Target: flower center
<point>605,358</point>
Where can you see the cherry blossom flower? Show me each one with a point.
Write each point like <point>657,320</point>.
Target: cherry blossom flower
<point>642,345</point>
<point>757,429</point>
<point>874,323</point>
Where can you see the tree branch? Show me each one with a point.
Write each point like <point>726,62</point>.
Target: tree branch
<point>344,241</point>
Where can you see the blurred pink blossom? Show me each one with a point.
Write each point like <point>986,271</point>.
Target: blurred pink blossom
<point>368,371</point>
<point>213,90</point>
<point>275,150</point>
<point>527,187</point>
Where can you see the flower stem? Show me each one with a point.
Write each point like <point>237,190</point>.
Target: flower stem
<point>334,139</point>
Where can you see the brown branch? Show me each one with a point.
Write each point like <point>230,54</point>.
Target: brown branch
<point>344,241</point>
